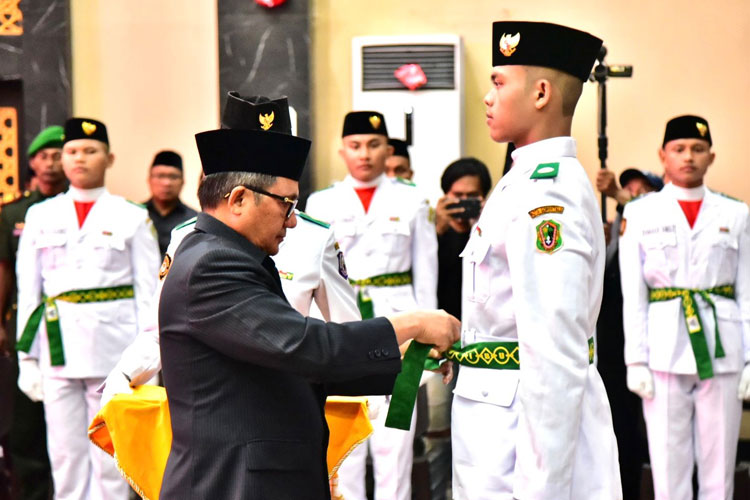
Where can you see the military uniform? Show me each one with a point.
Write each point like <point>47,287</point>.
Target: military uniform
<point>391,253</point>
<point>661,259</point>
<point>27,438</point>
<point>532,279</point>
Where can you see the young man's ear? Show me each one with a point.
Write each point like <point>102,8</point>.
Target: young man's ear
<point>662,154</point>
<point>543,91</point>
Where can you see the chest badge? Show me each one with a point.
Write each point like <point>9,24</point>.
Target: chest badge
<point>165,265</point>
<point>285,275</point>
<point>548,236</point>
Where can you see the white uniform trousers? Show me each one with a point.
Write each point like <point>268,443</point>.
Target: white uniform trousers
<point>80,470</point>
<point>392,453</point>
<point>483,456</point>
<point>693,421</point>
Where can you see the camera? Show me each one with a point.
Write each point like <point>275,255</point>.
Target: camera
<point>471,206</point>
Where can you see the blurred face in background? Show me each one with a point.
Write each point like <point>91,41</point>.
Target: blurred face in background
<point>365,155</point>
<point>47,166</point>
<point>398,166</point>
<point>165,183</point>
<point>686,161</point>
<point>85,162</point>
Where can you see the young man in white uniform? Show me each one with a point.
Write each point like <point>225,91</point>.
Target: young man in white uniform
<point>685,265</point>
<point>384,228</point>
<point>87,263</point>
<point>530,417</point>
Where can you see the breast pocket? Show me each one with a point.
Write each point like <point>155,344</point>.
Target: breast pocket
<point>395,236</point>
<point>723,254</point>
<point>476,255</point>
<point>660,253</point>
<point>108,252</point>
<point>52,250</point>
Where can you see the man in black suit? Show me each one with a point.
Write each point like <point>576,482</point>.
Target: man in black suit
<point>246,375</point>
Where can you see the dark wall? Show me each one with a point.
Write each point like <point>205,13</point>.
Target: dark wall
<point>40,59</point>
<point>267,52</point>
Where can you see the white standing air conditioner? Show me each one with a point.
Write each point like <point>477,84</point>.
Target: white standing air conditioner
<point>433,113</point>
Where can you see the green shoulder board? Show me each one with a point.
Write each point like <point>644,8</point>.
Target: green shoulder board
<point>303,215</point>
<point>135,203</point>
<point>405,181</point>
<point>545,171</point>
<point>186,223</point>
<point>727,196</point>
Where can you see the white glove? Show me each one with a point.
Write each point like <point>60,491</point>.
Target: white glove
<point>30,379</point>
<point>743,391</point>
<point>641,381</point>
<point>115,383</point>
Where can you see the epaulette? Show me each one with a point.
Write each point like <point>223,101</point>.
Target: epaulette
<point>405,181</point>
<point>545,171</point>
<point>303,215</point>
<point>729,197</point>
<point>186,223</point>
<point>141,205</point>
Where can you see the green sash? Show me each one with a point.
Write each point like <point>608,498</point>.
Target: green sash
<point>364,302</point>
<point>48,307</point>
<point>493,355</point>
<point>693,320</point>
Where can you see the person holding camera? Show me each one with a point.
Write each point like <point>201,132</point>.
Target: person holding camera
<point>465,183</point>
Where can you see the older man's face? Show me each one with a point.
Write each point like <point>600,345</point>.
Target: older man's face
<point>265,223</point>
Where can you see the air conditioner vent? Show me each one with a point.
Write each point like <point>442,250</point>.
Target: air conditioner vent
<point>380,61</point>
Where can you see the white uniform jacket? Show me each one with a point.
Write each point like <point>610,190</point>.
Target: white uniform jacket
<point>395,235</point>
<point>543,291</point>
<point>311,267</point>
<point>116,246</point>
<point>659,249</point>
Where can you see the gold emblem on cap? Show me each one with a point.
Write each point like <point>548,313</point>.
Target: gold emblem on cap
<point>702,128</point>
<point>375,121</point>
<point>88,128</point>
<point>266,121</point>
<point>509,43</point>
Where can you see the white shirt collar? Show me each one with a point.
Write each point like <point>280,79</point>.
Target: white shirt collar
<point>685,194</point>
<point>86,195</point>
<point>360,184</point>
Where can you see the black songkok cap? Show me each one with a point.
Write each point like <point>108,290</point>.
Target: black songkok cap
<point>256,113</point>
<point>544,44</point>
<point>85,128</point>
<point>168,159</point>
<point>364,122</point>
<point>254,151</point>
<point>400,148</point>
<point>687,127</point>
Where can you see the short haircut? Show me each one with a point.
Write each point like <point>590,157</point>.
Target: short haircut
<point>463,167</point>
<point>215,186</point>
<point>570,87</point>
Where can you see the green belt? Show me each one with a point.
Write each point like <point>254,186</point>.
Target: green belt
<point>693,320</point>
<point>494,355</point>
<point>52,318</point>
<point>391,279</point>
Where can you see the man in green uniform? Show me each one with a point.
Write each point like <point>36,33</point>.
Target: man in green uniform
<point>26,440</point>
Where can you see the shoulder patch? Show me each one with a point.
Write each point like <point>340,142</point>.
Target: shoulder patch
<point>547,209</point>
<point>405,181</point>
<point>728,197</point>
<point>141,205</point>
<point>545,171</point>
<point>548,236</point>
<point>186,223</point>
<point>303,215</point>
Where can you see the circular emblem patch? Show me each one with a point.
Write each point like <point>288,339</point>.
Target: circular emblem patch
<point>165,265</point>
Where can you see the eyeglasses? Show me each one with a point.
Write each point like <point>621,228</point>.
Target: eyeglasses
<point>292,203</point>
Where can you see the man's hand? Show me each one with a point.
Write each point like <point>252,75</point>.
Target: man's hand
<point>640,381</point>
<point>443,214</point>
<point>30,379</point>
<point>606,183</point>
<point>436,328</point>
<point>743,391</point>
<point>115,383</point>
